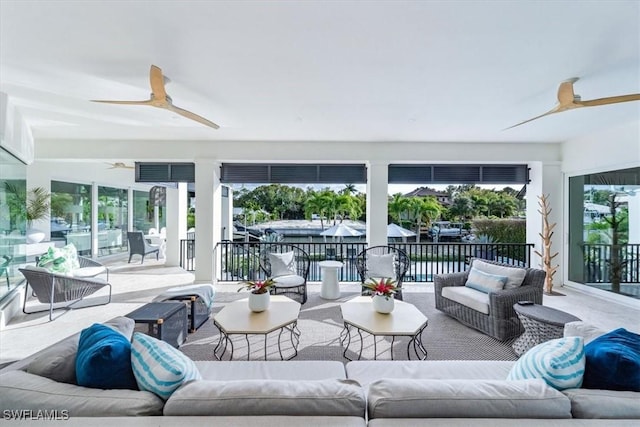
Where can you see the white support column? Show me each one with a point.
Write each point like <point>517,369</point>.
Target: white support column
<point>94,220</point>
<point>634,217</point>
<point>130,205</point>
<point>546,179</point>
<point>377,200</point>
<point>176,222</point>
<point>227,214</point>
<point>207,188</point>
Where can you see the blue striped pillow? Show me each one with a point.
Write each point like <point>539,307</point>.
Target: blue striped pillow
<point>559,362</point>
<point>484,282</point>
<point>158,367</point>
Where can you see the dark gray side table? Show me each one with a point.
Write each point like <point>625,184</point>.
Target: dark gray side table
<point>541,323</point>
<point>166,321</point>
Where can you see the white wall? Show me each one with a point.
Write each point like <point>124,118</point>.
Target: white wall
<point>616,148</point>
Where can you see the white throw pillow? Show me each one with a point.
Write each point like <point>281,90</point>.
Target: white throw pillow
<point>485,282</point>
<point>381,266</point>
<point>515,275</point>
<point>560,362</point>
<point>282,264</point>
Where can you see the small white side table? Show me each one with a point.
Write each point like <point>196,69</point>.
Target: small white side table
<point>330,288</point>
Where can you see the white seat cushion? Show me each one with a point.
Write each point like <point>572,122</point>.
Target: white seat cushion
<point>289,281</point>
<point>471,298</point>
<point>88,271</point>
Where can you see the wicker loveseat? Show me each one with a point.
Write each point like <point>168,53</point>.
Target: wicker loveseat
<point>501,321</point>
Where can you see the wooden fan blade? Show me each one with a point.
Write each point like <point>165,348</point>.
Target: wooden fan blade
<point>557,109</point>
<point>610,100</point>
<point>157,82</point>
<point>566,94</point>
<point>147,102</point>
<point>192,116</point>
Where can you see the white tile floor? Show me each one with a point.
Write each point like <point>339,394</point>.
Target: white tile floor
<point>135,285</point>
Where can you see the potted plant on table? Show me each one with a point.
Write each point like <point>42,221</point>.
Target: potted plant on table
<point>259,297</point>
<point>32,205</point>
<point>383,291</point>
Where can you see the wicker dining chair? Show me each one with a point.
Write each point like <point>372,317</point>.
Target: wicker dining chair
<point>291,279</point>
<point>401,265</point>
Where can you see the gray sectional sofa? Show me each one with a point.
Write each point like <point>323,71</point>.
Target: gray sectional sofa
<point>312,393</point>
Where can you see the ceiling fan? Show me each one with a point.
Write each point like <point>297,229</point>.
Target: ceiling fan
<point>160,99</point>
<point>120,165</point>
<point>568,100</point>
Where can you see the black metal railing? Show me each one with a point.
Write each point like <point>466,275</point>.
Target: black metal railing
<point>598,263</point>
<point>241,260</point>
<point>188,254</point>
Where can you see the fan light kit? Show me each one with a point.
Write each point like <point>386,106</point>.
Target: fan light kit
<point>160,99</point>
<point>568,100</point>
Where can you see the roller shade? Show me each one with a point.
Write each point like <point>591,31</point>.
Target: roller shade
<point>293,173</point>
<point>165,172</point>
<point>458,174</point>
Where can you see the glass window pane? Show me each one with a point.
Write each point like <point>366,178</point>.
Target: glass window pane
<point>604,231</point>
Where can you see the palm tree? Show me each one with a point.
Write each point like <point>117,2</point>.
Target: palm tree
<point>397,206</point>
<point>349,189</point>
<point>423,209</point>
<point>462,207</point>
<point>348,205</point>
<point>316,203</point>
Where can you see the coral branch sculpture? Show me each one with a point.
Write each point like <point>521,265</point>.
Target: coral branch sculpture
<point>547,233</point>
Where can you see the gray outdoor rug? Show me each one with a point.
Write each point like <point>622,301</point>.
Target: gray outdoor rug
<point>320,325</point>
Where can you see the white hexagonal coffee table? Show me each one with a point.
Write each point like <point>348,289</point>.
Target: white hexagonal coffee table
<point>405,320</point>
<point>236,319</point>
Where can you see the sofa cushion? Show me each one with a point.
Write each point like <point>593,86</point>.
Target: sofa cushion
<point>559,362</point>
<point>58,362</point>
<point>583,329</point>
<point>282,264</point>
<point>613,361</point>
<point>20,390</point>
<point>408,398</point>
<point>484,282</point>
<point>268,397</point>
<point>586,403</point>
<point>466,296</point>
<point>104,359</point>
<point>300,370</point>
<point>515,276</point>
<point>368,371</point>
<point>159,367</point>
<point>381,266</point>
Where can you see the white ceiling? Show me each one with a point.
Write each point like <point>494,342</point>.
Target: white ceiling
<point>318,70</point>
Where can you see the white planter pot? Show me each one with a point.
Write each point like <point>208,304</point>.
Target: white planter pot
<point>383,304</point>
<point>34,236</point>
<point>259,302</point>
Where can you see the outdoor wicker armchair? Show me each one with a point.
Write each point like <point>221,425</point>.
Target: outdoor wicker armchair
<point>56,289</point>
<point>502,322</point>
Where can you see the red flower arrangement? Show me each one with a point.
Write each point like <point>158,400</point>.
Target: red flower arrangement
<point>383,287</point>
<point>258,286</point>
